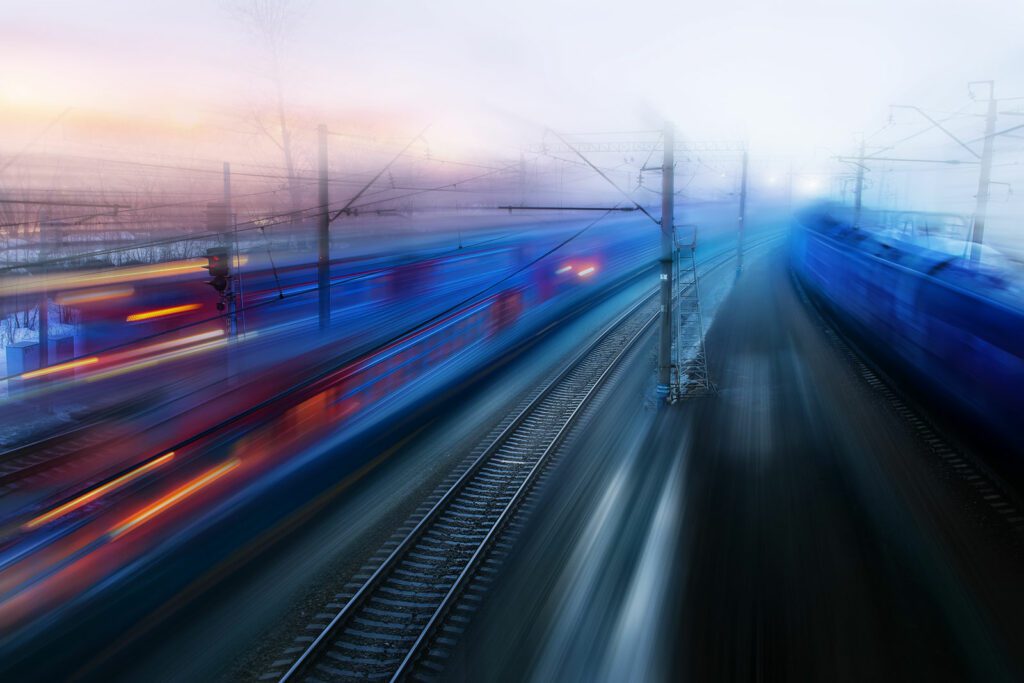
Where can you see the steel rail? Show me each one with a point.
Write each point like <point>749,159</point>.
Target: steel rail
<point>378,577</point>
<point>410,539</point>
<point>464,577</point>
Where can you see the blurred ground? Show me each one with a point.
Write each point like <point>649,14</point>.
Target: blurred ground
<point>821,543</point>
<point>789,528</point>
<point>253,616</point>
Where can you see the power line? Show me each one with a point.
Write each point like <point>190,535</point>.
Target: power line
<point>346,280</point>
<point>350,202</point>
<point>169,205</point>
<point>259,223</point>
<point>35,139</point>
<point>610,181</point>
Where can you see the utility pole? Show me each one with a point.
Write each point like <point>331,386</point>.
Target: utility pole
<point>789,189</point>
<point>227,193</point>
<point>667,206</point>
<point>522,177</point>
<point>741,220</point>
<point>984,161</point>
<point>324,226</point>
<point>858,192</point>
<point>43,319</point>
<point>232,253</point>
<point>978,234</point>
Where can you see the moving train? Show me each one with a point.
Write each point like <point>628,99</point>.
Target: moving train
<point>115,306</point>
<point>112,306</point>
<point>928,312</point>
<point>223,486</point>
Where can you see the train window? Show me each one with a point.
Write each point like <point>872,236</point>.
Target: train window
<point>940,266</point>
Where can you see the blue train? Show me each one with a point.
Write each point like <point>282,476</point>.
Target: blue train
<point>179,510</point>
<point>926,311</point>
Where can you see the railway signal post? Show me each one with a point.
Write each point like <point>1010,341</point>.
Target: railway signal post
<point>218,263</point>
<point>984,177</point>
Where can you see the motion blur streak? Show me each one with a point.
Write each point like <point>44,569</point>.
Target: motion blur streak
<point>579,582</point>
<point>150,362</point>
<point>149,512</point>
<point>633,656</point>
<point>71,365</point>
<point>102,277</point>
<point>98,491</point>
<point>563,269</point>
<point>586,272</point>
<point>162,312</point>
<point>92,296</point>
<point>171,344</point>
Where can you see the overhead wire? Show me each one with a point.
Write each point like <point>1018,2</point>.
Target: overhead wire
<point>313,288</point>
<point>350,202</point>
<point>609,180</point>
<point>257,223</point>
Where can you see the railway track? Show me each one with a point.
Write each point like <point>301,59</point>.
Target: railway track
<point>49,455</point>
<point>983,485</point>
<point>400,618</point>
<point>407,613</point>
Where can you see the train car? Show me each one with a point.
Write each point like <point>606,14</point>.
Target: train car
<point>113,307</point>
<point>277,455</point>
<point>954,327</point>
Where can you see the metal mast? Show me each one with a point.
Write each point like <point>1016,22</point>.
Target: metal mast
<point>691,365</point>
<point>323,263</point>
<point>667,211</point>
<point>742,218</point>
<point>859,188</point>
<point>984,178</point>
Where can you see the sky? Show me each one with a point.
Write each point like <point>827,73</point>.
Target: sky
<point>789,73</point>
<point>790,77</point>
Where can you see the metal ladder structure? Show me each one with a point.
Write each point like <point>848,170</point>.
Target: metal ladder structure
<point>689,356</point>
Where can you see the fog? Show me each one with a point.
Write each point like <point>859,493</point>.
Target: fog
<point>799,81</point>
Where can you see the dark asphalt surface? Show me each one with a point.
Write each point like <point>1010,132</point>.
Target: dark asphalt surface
<point>792,527</point>
<point>821,541</point>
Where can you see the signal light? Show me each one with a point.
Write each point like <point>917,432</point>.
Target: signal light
<point>219,265</point>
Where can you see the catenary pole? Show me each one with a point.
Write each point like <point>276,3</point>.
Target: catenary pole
<point>323,234</point>
<point>978,234</point>
<point>667,206</point>
<point>233,259</point>
<point>858,193</point>
<point>742,218</point>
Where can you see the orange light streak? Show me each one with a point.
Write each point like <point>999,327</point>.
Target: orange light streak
<point>109,276</point>
<point>173,498</point>
<point>152,361</point>
<point>90,496</point>
<point>70,365</point>
<point>162,312</point>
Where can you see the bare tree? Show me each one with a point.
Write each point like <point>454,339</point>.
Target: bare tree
<point>271,23</point>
